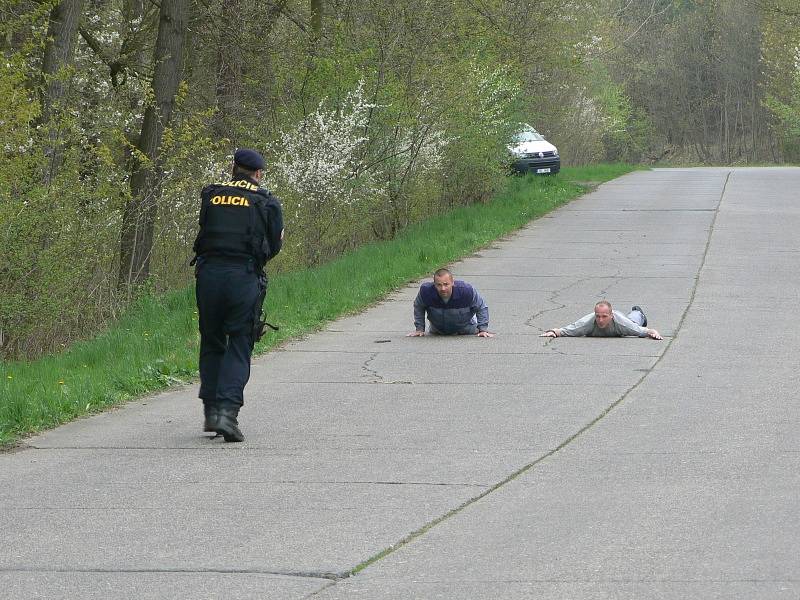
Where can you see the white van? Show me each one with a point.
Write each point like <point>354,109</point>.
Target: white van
<point>531,153</point>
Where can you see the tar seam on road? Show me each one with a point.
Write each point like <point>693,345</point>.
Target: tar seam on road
<point>304,574</point>
<point>376,377</point>
<point>427,527</point>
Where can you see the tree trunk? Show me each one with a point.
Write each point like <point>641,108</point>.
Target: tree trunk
<point>62,33</point>
<point>228,87</point>
<point>140,212</point>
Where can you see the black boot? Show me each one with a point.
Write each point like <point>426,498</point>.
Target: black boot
<point>227,425</point>
<point>211,414</point>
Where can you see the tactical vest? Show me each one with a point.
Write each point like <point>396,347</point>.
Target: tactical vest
<point>230,222</point>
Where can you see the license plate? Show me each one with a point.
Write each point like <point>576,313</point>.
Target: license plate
<point>547,170</point>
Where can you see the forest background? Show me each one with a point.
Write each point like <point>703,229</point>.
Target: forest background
<point>372,115</point>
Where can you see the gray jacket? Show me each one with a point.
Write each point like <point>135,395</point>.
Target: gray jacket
<point>620,326</point>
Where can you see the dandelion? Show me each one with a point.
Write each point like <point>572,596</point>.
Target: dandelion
<point>60,382</point>
<point>9,377</point>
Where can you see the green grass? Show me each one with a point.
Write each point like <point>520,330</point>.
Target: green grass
<point>155,344</point>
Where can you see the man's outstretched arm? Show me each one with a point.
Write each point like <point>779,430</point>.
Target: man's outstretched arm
<point>629,327</point>
<point>579,328</point>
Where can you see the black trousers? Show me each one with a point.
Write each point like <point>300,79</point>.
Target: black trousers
<point>228,297</point>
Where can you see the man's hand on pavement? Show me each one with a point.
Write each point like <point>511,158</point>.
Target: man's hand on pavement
<point>415,334</point>
<point>485,334</point>
<point>652,333</point>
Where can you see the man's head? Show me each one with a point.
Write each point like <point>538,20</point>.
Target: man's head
<point>249,163</point>
<point>443,281</point>
<point>603,314</point>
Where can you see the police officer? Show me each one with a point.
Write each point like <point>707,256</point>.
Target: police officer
<point>241,228</point>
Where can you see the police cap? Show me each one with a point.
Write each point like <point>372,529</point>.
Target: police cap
<point>249,159</point>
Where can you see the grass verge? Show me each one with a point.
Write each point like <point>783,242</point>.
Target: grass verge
<point>155,344</point>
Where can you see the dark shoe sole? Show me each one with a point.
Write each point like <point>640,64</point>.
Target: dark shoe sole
<point>229,429</point>
<point>231,434</point>
<point>644,316</point>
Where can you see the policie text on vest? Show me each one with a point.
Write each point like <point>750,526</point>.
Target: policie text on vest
<point>233,200</point>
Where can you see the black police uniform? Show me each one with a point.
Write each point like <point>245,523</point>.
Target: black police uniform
<point>240,230</point>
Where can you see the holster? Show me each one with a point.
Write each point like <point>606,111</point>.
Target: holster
<point>259,324</point>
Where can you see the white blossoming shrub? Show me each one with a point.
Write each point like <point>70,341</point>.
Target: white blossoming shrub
<point>324,182</point>
<point>410,167</point>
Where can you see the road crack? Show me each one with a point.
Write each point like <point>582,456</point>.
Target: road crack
<point>370,372</point>
<point>553,298</point>
<point>566,442</point>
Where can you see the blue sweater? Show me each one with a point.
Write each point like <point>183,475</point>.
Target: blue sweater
<point>460,314</point>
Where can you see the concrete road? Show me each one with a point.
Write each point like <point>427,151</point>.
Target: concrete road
<point>513,467</point>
